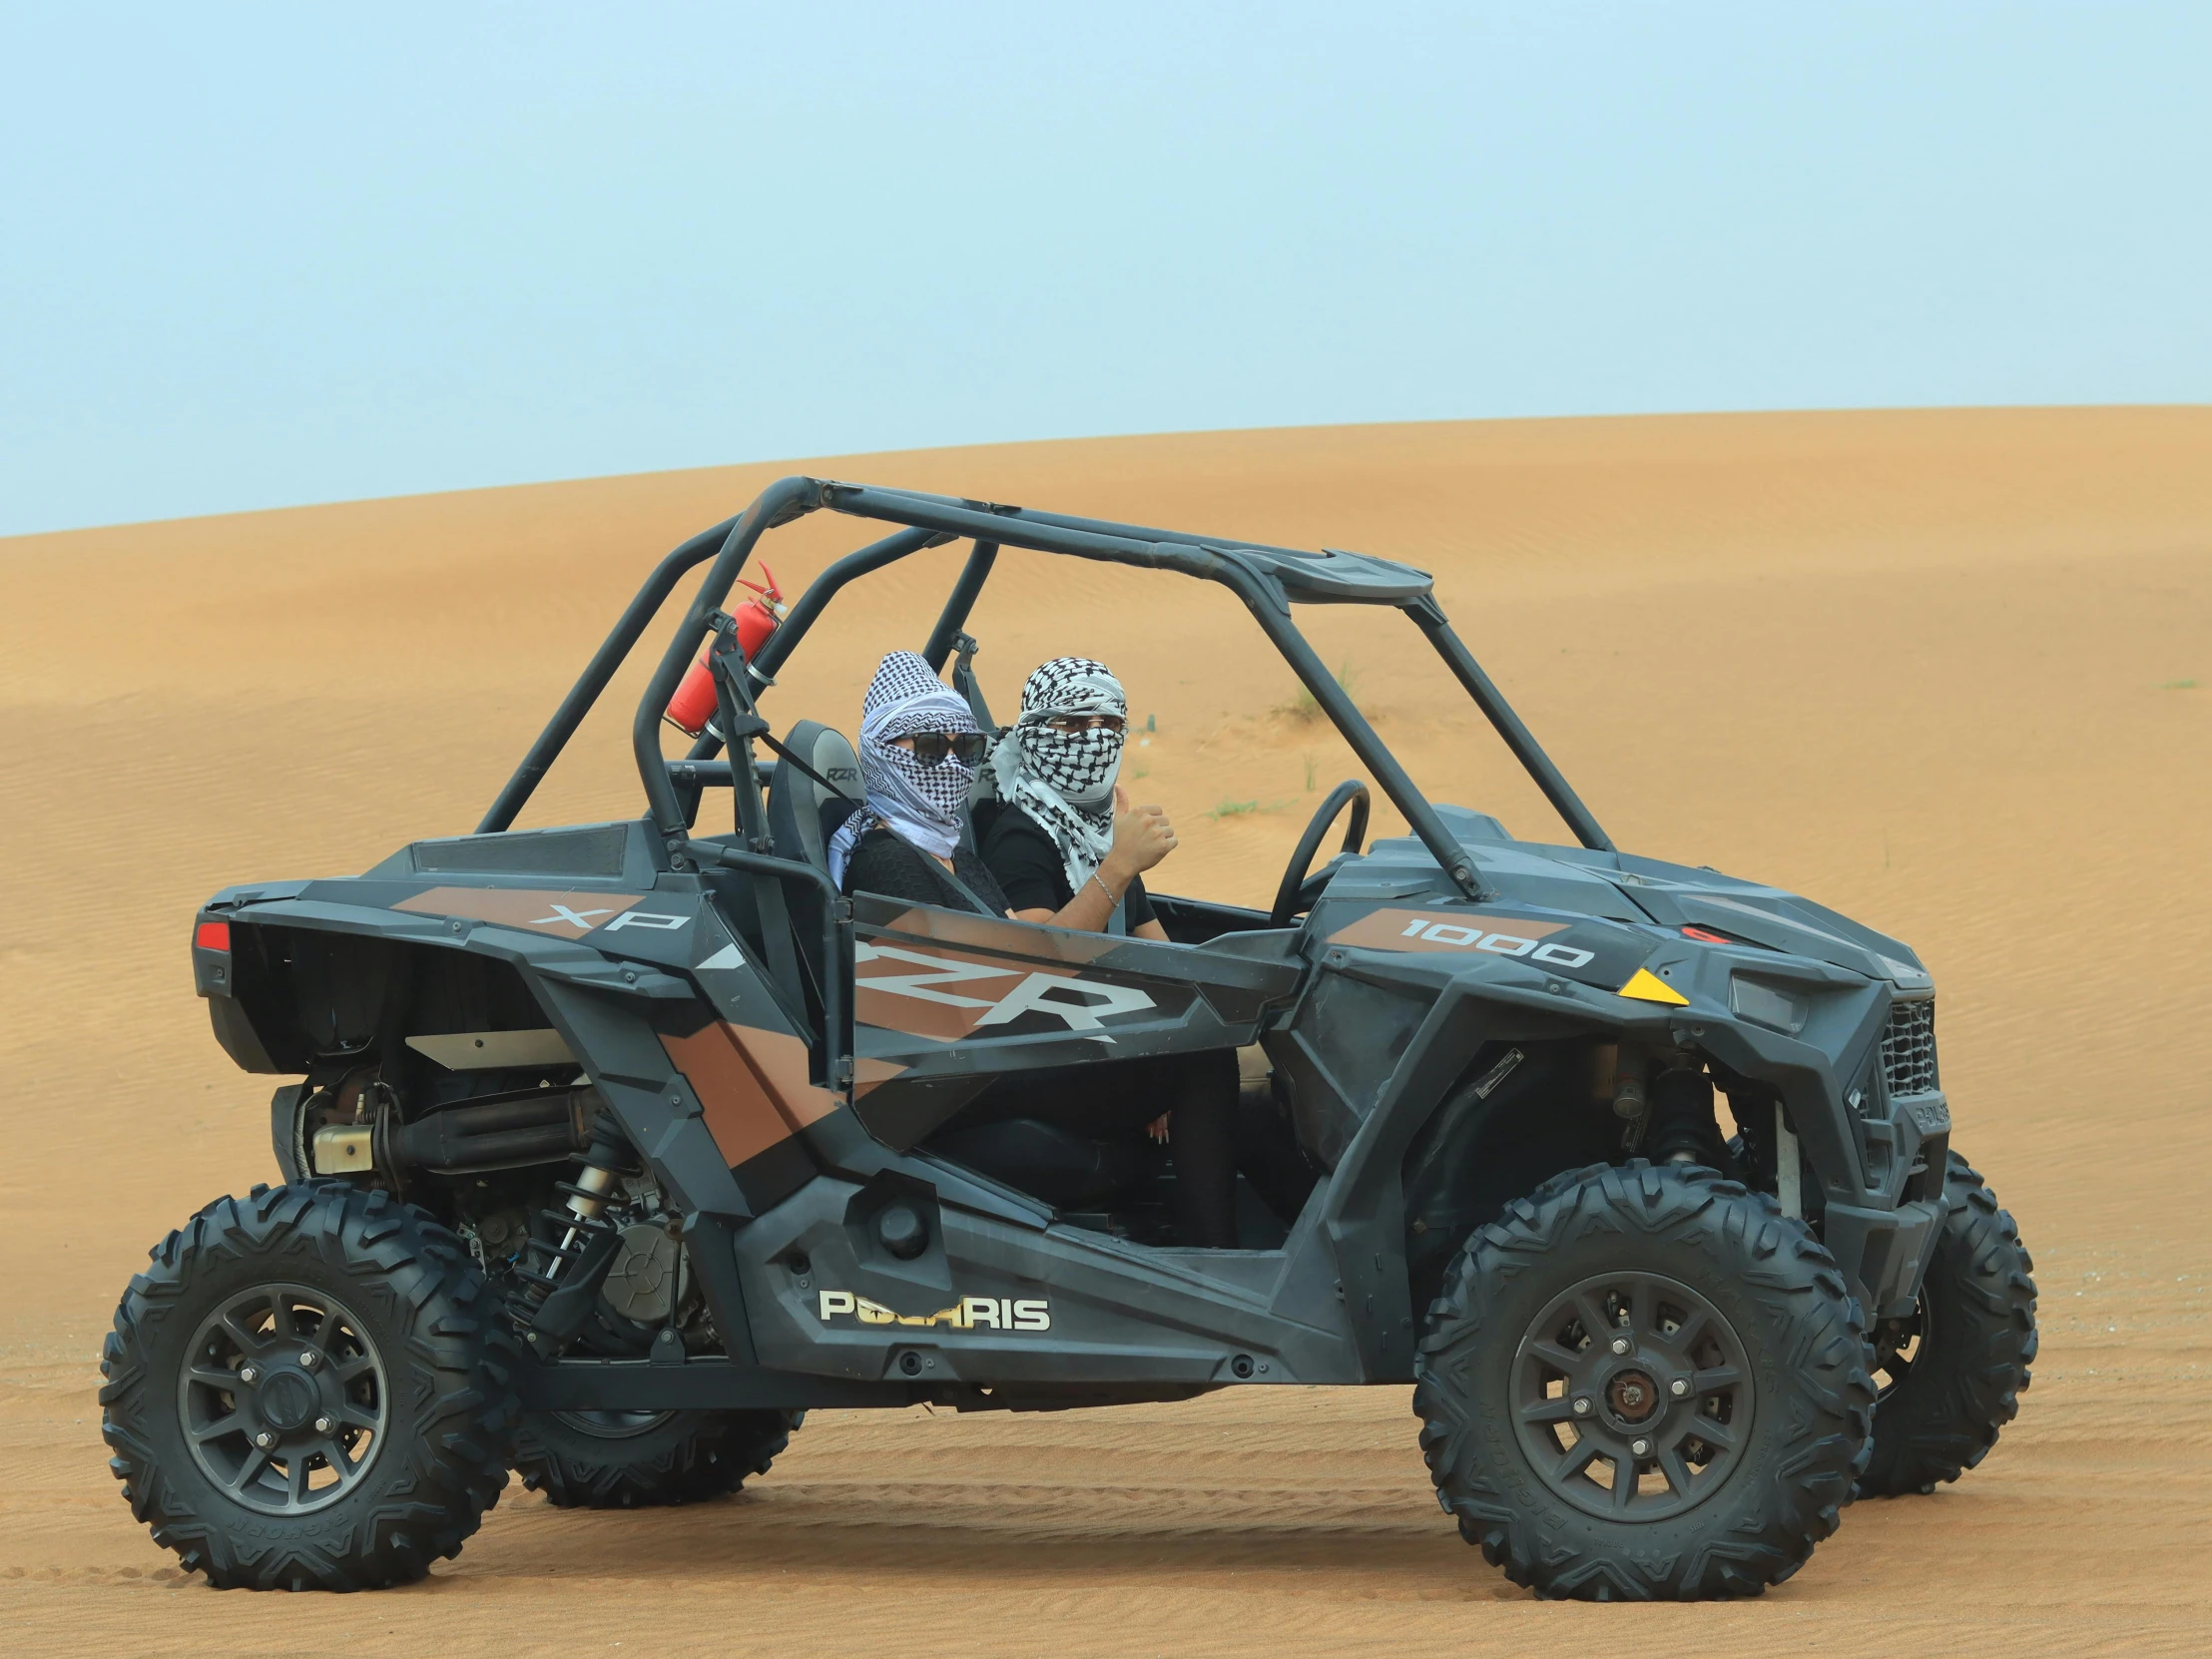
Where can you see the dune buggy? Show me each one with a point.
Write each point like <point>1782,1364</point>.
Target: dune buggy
<point>610,1150</point>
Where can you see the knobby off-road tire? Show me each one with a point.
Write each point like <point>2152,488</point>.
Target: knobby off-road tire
<point>310,1389</point>
<point>635,1459</point>
<point>1663,1309</point>
<point>1951,1377</point>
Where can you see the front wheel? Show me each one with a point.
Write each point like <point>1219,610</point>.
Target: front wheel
<point>1644,1383</point>
<point>310,1389</point>
<point>1952,1375</point>
<point>634,1459</point>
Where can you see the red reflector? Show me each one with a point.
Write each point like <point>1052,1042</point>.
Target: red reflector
<point>212,936</point>
<point>1708,935</point>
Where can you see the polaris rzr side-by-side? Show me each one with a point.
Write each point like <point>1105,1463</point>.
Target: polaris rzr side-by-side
<point>610,1150</point>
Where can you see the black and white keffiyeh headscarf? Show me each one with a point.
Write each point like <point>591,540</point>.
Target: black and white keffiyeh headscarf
<point>1065,780</point>
<point>918,803</point>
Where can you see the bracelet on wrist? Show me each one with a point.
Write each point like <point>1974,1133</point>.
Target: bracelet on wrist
<point>1112,898</point>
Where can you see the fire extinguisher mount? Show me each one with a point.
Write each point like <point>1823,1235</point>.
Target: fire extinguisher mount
<point>740,722</point>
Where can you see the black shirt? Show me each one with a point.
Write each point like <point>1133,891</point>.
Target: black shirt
<point>883,863</point>
<point>1030,871</point>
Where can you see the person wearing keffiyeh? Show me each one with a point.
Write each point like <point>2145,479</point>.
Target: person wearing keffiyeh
<point>904,843</point>
<point>905,840</point>
<point>1058,833</point>
<point>1066,848</point>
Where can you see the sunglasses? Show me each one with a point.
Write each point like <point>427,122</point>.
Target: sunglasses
<point>1085,723</point>
<point>932,747</point>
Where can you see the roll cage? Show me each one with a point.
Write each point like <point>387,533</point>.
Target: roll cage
<point>1267,579</point>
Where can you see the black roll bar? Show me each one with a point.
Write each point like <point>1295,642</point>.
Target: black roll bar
<point>1430,621</point>
<point>958,603</point>
<point>617,645</point>
<point>715,773</point>
<point>1247,569</point>
<point>1261,597</point>
<point>960,519</point>
<point>776,649</point>
<point>782,502</point>
<point>793,629</point>
<point>1274,618</point>
<point>1071,521</point>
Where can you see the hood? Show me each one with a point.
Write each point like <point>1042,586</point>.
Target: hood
<point>1623,887</point>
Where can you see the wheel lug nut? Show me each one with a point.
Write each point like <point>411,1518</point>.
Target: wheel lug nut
<point>1582,1406</point>
<point>1641,1448</point>
<point>1621,1344</point>
<point>323,1425</point>
<point>264,1439</point>
<point>249,1375</point>
<point>309,1359</point>
<point>1678,1389</point>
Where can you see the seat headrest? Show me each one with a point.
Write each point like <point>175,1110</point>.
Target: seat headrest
<point>986,787</point>
<point>797,803</point>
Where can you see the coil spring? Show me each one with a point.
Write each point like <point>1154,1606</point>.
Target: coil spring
<point>568,1236</point>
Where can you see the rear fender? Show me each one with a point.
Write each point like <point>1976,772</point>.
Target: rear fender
<point>311,980</point>
<point>614,1018</point>
<point>293,998</point>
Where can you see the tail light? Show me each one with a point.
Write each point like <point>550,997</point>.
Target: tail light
<point>692,710</point>
<point>211,958</point>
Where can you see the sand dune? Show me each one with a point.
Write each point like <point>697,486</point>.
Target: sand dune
<point>1933,668</point>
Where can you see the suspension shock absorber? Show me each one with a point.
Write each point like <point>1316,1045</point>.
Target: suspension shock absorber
<point>563,1269</point>
<point>1683,1128</point>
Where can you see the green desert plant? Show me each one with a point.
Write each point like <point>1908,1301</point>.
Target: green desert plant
<point>1241,808</point>
<point>1304,710</point>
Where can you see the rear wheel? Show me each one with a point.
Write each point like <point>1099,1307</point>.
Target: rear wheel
<point>1951,1376</point>
<point>1644,1383</point>
<point>310,1389</point>
<point>638,1459</point>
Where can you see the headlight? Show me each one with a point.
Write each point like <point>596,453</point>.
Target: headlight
<point>1765,1004</point>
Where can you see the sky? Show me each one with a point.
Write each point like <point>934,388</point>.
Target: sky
<point>261,255</point>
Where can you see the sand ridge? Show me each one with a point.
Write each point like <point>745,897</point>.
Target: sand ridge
<point>1930,668</point>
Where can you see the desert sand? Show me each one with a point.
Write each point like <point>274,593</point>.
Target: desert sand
<point>1949,672</point>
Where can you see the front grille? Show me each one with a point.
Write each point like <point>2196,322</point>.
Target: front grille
<point>1908,1048</point>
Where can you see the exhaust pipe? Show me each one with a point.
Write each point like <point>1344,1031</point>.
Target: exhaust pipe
<point>542,1127</point>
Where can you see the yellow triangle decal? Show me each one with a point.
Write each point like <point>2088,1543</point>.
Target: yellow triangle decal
<point>1649,987</point>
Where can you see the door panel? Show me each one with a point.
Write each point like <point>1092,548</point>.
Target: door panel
<point>946,1000</point>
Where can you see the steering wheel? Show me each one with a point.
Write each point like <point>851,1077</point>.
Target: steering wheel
<point>1301,891</point>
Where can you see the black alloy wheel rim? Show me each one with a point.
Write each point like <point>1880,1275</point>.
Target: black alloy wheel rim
<point>1632,1397</point>
<point>284,1400</point>
<point>1897,1345</point>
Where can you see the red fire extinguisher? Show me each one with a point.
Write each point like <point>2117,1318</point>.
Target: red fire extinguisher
<point>692,710</point>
